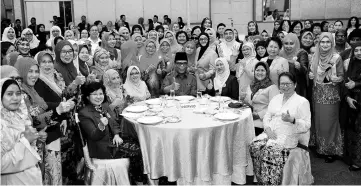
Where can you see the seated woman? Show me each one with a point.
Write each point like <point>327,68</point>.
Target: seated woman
<point>134,86</point>
<point>19,159</point>
<point>287,122</point>
<point>108,151</point>
<point>114,90</point>
<point>102,63</point>
<point>224,83</point>
<point>259,94</point>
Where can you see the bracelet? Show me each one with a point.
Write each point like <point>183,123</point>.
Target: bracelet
<point>101,127</point>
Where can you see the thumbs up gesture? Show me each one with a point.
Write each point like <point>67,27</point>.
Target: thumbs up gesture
<point>175,84</point>
<point>286,117</point>
<point>350,84</point>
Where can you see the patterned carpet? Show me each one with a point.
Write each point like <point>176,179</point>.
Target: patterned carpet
<point>335,173</point>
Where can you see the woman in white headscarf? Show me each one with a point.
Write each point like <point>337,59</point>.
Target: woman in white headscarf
<point>224,82</point>
<point>125,32</point>
<point>245,68</point>
<point>33,40</point>
<point>229,43</point>
<point>134,86</point>
<point>114,90</point>
<point>9,35</point>
<point>55,31</point>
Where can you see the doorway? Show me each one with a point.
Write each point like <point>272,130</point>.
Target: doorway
<point>45,12</point>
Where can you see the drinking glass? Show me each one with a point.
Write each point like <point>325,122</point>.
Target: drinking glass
<point>172,94</point>
<point>199,95</point>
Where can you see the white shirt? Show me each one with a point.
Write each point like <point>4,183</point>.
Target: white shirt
<point>94,44</point>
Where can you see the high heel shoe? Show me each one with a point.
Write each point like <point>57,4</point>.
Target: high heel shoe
<point>330,159</point>
<point>354,168</point>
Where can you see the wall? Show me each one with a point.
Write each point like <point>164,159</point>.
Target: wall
<point>110,10</point>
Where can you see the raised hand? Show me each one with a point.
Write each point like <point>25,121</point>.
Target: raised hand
<point>350,84</point>
<point>176,85</point>
<point>286,117</point>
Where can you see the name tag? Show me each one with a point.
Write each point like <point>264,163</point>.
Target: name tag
<point>188,106</point>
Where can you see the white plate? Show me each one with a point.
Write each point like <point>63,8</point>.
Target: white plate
<point>226,116</point>
<point>223,98</point>
<point>150,120</point>
<point>137,109</point>
<point>153,102</point>
<point>131,115</point>
<point>184,98</point>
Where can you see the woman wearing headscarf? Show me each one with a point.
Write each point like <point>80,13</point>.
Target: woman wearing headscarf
<point>129,56</point>
<point>69,35</point>
<point>255,39</point>
<point>224,82</point>
<point>276,63</point>
<point>214,43</point>
<point>56,40</point>
<point>134,86</point>
<point>9,35</point>
<point>191,51</point>
<point>108,43</point>
<point>148,65</point>
<point>13,57</point>
<point>327,74</point>
<point>55,31</point>
<point>33,40</point>
<point>228,46</point>
<point>101,63</point>
<point>306,41</point>
<point>166,58</point>
<point>205,63</point>
<point>352,95</point>
<point>22,46</point>
<point>73,28</point>
<point>297,61</point>
<point>259,93</point>
<point>6,48</point>
<point>261,50</point>
<point>19,159</point>
<point>41,35</point>
<point>114,90</point>
<point>125,32</point>
<point>84,58</point>
<point>43,116</point>
<point>245,68</point>
<point>8,71</point>
<point>276,28</point>
<point>64,55</point>
<point>174,46</point>
<point>138,39</point>
<point>137,29</point>
<point>341,40</point>
<point>265,35</point>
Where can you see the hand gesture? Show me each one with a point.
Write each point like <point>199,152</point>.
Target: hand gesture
<point>350,84</point>
<point>235,50</point>
<point>297,65</point>
<point>176,85</point>
<point>351,102</point>
<point>159,71</point>
<point>150,68</point>
<point>117,140</point>
<point>311,75</point>
<point>335,79</point>
<point>43,135</point>
<point>65,106</point>
<point>210,85</point>
<point>270,133</point>
<point>30,134</point>
<point>92,76</point>
<point>202,76</point>
<point>104,121</point>
<point>286,117</point>
<point>79,80</point>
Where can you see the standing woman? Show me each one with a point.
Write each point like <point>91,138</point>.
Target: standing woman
<point>327,73</point>
<point>114,90</point>
<point>137,38</point>
<point>174,46</point>
<point>296,28</point>
<point>324,26</point>
<point>148,63</point>
<point>180,23</point>
<point>101,63</point>
<point>307,41</point>
<point>191,50</point>
<point>9,35</point>
<point>73,28</point>
<point>125,32</point>
<point>214,43</point>
<point>55,31</point>
<point>352,95</point>
<point>166,57</point>
<point>69,35</point>
<point>42,35</point>
<point>261,50</point>
<point>352,24</point>
<point>137,29</point>
<point>129,56</point>
<point>276,63</point>
<point>19,159</point>
<point>205,63</point>
<point>286,25</point>
<point>206,23</point>
<point>245,68</point>
<point>276,28</point>
<point>108,43</point>
<point>22,45</point>
<point>33,40</point>
<point>297,61</point>
<point>340,40</point>
<point>252,28</point>
<point>265,35</point>
<point>182,38</point>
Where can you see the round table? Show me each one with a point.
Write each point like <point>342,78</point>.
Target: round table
<point>199,149</point>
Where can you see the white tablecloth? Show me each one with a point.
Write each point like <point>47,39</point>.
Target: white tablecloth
<point>199,149</point>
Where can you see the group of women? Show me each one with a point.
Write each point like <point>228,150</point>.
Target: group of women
<point>57,98</point>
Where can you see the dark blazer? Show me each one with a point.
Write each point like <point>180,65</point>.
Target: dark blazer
<point>51,98</point>
<point>98,141</point>
<point>231,88</point>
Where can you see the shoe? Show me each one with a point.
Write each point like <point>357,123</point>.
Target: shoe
<point>354,168</point>
<point>330,159</point>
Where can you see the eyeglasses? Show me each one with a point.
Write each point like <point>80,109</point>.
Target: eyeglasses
<point>17,78</point>
<point>181,64</point>
<point>135,73</point>
<point>286,84</point>
<point>203,39</point>
<point>66,52</point>
<point>340,36</point>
